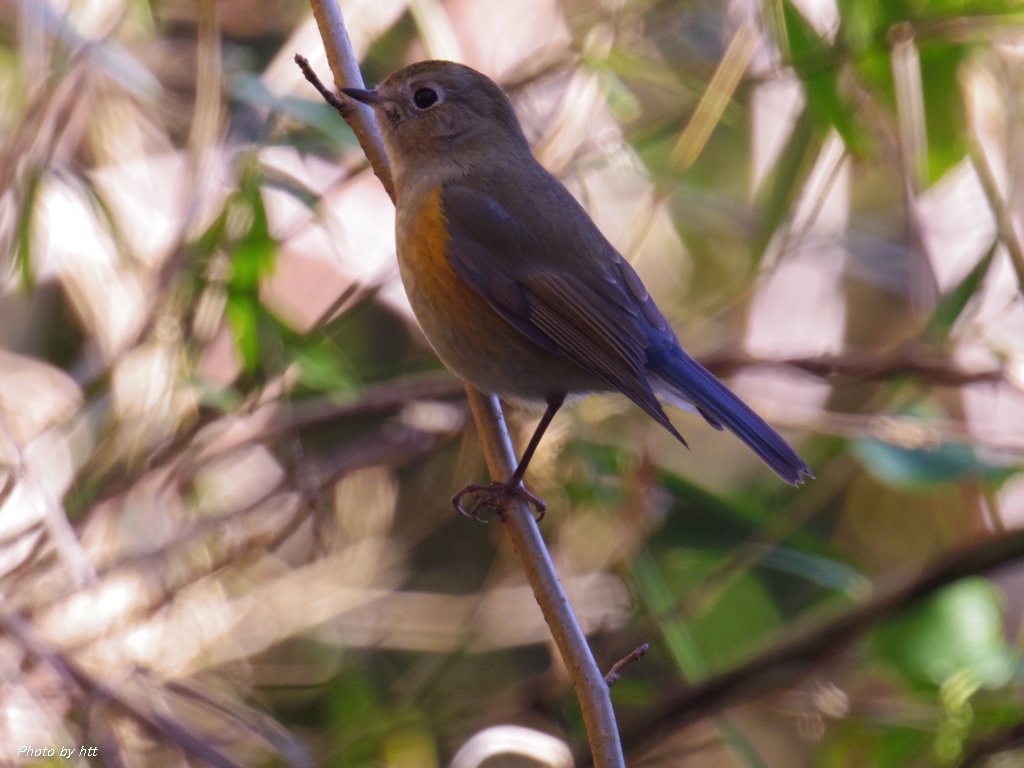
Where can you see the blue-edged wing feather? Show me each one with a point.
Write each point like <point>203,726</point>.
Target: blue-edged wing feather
<point>592,308</point>
<point>593,322</point>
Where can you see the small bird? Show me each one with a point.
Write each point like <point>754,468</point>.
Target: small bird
<point>514,285</point>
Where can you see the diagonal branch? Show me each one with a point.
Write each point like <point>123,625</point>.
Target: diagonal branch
<point>930,369</point>
<point>589,683</point>
<point>345,68</point>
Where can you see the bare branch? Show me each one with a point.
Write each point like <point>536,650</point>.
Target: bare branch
<point>589,683</point>
<point>635,655</point>
<point>344,107</point>
<point>345,68</point>
<point>591,688</point>
<point>869,365</point>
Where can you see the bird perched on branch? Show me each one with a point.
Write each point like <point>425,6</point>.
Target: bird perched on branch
<point>514,286</point>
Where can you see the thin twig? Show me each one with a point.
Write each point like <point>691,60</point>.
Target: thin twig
<point>928,369</point>
<point>589,683</point>
<point>591,688</point>
<point>932,369</point>
<point>344,107</point>
<point>635,655</point>
<point>345,68</point>
<point>1001,214</point>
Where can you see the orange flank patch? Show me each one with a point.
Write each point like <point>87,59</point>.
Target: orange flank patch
<point>443,290</point>
<point>472,339</point>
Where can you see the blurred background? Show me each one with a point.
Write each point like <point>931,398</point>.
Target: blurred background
<point>227,454</point>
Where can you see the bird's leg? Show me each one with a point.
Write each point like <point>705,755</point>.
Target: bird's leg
<point>494,494</point>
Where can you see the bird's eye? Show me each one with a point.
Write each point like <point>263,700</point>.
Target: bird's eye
<point>424,98</point>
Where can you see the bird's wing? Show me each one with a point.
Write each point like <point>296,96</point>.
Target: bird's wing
<point>593,311</point>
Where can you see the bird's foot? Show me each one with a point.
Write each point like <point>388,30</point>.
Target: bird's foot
<point>496,496</point>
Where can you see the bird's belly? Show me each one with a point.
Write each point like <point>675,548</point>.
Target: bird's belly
<point>472,340</point>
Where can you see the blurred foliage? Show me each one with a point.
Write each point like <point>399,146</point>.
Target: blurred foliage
<point>226,453</point>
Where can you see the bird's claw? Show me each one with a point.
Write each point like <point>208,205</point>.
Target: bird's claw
<point>496,496</point>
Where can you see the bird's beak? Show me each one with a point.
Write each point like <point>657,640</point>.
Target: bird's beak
<point>372,98</point>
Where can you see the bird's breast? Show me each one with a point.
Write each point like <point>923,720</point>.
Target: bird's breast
<point>442,301</point>
<point>471,338</point>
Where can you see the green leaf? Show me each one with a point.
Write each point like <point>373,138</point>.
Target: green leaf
<point>923,467</point>
<point>724,631</point>
<point>212,237</point>
<point>23,254</point>
<point>856,741</point>
<point>255,255</point>
<point>295,188</point>
<point>816,569</point>
<point>701,519</point>
<point>943,106</point>
<point>815,62</point>
<point>866,30</point>
<point>243,313</point>
<point>252,259</point>
<point>781,189</point>
<point>313,113</point>
<point>661,601</point>
<point>862,25</point>
<point>222,399</point>
<point>324,368</point>
<point>952,305</point>
<point>957,632</point>
<point>599,484</point>
<point>99,202</point>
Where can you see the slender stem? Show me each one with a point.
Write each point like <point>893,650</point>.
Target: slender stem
<point>591,687</point>
<point>589,683</point>
<point>345,68</point>
<point>633,656</point>
<point>1004,221</point>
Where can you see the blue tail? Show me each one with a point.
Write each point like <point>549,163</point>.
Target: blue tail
<point>679,376</point>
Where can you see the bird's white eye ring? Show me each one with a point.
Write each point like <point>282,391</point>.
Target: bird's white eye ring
<point>424,98</point>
